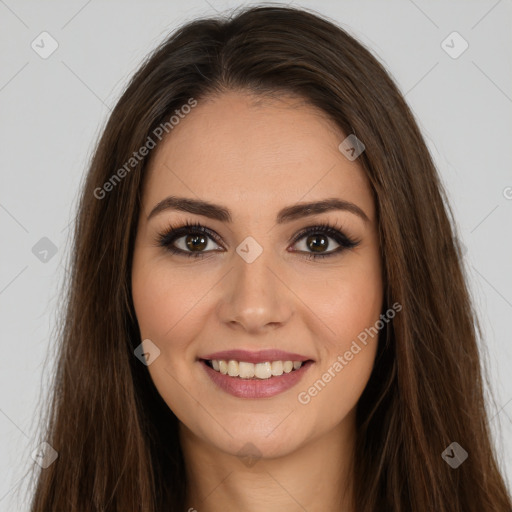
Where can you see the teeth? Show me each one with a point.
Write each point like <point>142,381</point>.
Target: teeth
<point>277,368</point>
<point>262,370</point>
<point>232,368</point>
<point>246,370</point>
<point>223,367</point>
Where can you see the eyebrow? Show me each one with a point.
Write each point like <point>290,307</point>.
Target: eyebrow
<point>223,214</point>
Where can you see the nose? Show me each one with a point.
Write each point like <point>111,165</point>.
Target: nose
<point>255,297</point>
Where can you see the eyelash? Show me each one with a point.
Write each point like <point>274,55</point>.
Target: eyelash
<point>173,233</point>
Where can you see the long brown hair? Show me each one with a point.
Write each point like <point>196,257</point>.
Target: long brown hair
<point>117,440</point>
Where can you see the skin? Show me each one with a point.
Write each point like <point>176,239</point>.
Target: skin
<point>256,156</point>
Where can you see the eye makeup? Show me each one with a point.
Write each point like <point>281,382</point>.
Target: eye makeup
<point>324,230</point>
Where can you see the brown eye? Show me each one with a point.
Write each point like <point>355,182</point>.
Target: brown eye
<point>318,239</point>
<point>196,242</point>
<point>192,240</point>
<point>318,243</point>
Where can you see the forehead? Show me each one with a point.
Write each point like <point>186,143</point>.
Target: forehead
<point>255,155</point>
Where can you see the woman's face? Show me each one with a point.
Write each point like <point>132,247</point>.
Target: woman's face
<point>255,285</point>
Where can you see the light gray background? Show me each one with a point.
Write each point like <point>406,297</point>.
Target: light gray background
<point>53,109</point>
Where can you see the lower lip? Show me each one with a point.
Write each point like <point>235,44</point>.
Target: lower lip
<point>256,388</point>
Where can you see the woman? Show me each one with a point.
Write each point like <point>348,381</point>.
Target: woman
<point>267,307</point>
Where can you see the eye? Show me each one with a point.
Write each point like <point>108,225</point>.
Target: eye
<point>316,239</point>
<point>196,241</point>
<point>190,240</point>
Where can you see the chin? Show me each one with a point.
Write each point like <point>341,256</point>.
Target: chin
<point>257,440</point>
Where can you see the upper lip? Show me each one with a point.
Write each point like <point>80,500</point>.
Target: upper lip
<point>260,356</point>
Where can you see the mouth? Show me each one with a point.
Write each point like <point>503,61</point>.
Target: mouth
<point>264,379</point>
<point>254,371</point>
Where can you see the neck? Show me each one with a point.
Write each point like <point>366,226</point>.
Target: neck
<point>317,476</point>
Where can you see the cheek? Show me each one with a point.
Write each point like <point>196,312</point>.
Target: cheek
<point>347,302</point>
<point>171,305</point>
<point>358,308</point>
<point>154,305</point>
<point>162,299</point>
<point>167,307</point>
<point>349,306</point>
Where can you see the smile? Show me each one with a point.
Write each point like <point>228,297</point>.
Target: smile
<point>255,380</point>
<point>246,370</point>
